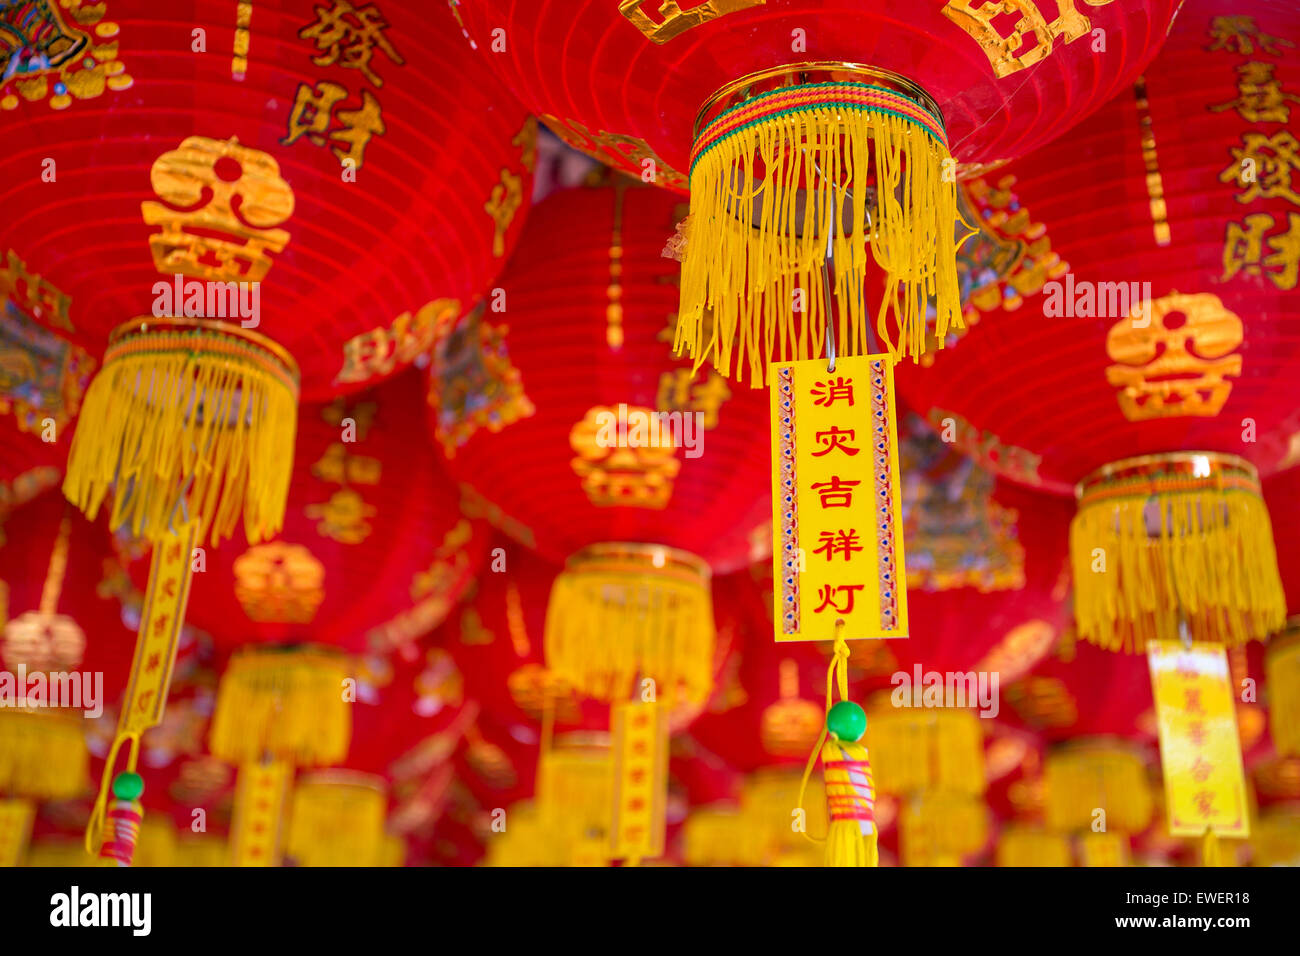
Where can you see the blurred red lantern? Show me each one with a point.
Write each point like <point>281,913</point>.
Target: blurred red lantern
<point>375,551</point>
<point>358,187</point>
<point>807,134</point>
<point>1155,373</point>
<point>602,448</point>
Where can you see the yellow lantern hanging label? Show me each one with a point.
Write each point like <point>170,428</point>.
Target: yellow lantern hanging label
<point>260,796</point>
<point>640,750</point>
<point>1205,786</point>
<point>837,518</point>
<point>161,621</point>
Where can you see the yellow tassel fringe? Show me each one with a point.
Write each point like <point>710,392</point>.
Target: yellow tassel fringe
<point>338,820</point>
<point>42,755</point>
<point>615,617</point>
<point>940,829</point>
<point>927,749</point>
<point>1097,774</point>
<point>288,705</point>
<point>740,271</point>
<point>202,414</point>
<point>1211,563</point>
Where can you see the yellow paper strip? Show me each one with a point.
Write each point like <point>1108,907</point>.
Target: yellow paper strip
<point>640,751</point>
<point>837,517</point>
<point>1205,786</point>
<point>260,796</point>
<point>161,620</point>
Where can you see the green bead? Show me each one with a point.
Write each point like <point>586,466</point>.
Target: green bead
<point>128,786</point>
<point>847,721</point>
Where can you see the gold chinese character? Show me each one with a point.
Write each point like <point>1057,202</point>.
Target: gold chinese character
<point>679,392</point>
<point>526,140</point>
<point>1243,250</point>
<point>343,517</point>
<point>339,467</point>
<point>673,20</point>
<point>1237,34</point>
<point>348,36</point>
<point>1168,370</point>
<point>1260,99</point>
<point>184,177</point>
<point>312,114</point>
<point>507,196</point>
<point>362,413</point>
<point>977,17</point>
<point>1262,167</point>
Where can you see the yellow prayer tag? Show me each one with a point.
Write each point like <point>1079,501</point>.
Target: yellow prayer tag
<point>1205,787</point>
<point>837,516</point>
<point>161,621</point>
<point>640,750</point>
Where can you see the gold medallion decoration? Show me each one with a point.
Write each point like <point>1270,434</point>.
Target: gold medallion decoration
<point>189,174</point>
<point>633,474</point>
<point>279,582</point>
<point>1169,369</point>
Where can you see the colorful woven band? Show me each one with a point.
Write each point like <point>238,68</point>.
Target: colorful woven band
<point>1169,474</point>
<point>862,97</point>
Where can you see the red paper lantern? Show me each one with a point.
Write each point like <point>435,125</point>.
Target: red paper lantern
<point>586,329</point>
<point>354,170</point>
<point>623,81</point>
<point>601,447</point>
<point>1170,332</point>
<point>375,551</point>
<point>810,136</point>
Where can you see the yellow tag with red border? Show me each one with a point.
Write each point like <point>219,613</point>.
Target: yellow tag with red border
<point>1200,751</point>
<point>161,621</point>
<point>640,751</point>
<point>837,519</point>
<point>260,795</point>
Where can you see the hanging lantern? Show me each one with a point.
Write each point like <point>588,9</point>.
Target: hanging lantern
<point>374,551</point>
<point>939,829</point>
<point>641,473</point>
<point>1162,402</point>
<point>1097,774</point>
<point>1030,846</point>
<point>337,820</point>
<point>42,757</point>
<point>226,269</point>
<point>804,150</point>
<point>927,750</point>
<point>575,798</point>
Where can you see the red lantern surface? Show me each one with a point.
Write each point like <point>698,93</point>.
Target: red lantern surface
<point>375,551</point>
<point>589,310</point>
<point>358,163</point>
<point>623,81</point>
<point>1155,369</point>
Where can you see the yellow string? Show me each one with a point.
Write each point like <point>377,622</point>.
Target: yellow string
<point>95,826</point>
<point>837,678</point>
